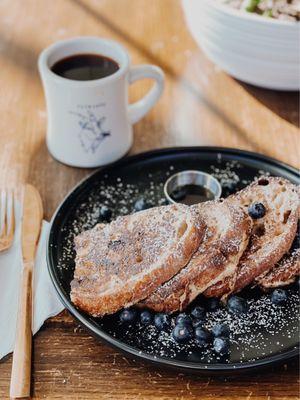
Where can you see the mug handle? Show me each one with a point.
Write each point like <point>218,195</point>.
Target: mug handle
<point>140,108</point>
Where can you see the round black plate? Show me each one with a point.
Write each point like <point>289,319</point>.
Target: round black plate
<point>266,334</point>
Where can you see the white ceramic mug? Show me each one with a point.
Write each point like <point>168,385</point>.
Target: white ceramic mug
<point>90,122</point>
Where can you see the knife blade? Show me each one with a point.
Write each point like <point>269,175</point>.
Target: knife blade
<point>31,222</point>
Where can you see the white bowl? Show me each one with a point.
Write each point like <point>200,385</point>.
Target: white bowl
<point>257,50</point>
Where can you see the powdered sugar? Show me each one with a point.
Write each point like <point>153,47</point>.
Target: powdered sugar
<point>264,330</point>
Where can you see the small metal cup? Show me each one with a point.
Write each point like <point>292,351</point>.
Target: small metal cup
<point>192,177</point>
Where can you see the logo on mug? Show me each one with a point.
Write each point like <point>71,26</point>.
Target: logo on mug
<point>91,133</point>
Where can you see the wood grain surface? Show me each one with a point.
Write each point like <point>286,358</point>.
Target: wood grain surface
<point>201,105</point>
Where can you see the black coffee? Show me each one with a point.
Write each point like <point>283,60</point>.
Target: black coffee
<point>85,67</point>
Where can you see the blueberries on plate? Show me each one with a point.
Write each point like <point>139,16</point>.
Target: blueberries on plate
<point>146,317</point>
<point>220,330</point>
<point>141,204</point>
<point>179,194</point>
<point>182,333</point>
<point>183,319</point>
<point>198,312</point>
<point>162,321</point>
<point>105,214</point>
<point>237,305</point>
<point>128,315</point>
<point>221,345</point>
<point>279,296</point>
<point>202,336</point>
<point>256,210</point>
<point>212,304</point>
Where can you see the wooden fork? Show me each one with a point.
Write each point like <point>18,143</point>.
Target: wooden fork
<point>7,219</point>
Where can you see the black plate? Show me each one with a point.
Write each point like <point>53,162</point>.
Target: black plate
<point>266,334</point>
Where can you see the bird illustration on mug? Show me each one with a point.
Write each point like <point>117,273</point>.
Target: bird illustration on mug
<point>91,133</point>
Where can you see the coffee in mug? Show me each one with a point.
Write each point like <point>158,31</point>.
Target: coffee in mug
<point>85,67</point>
<point>86,83</point>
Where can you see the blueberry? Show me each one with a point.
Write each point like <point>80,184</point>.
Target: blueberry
<point>256,210</point>
<point>162,321</point>
<point>237,305</point>
<point>179,194</point>
<point>128,315</point>
<point>279,296</point>
<point>212,304</point>
<point>221,330</point>
<point>141,204</point>
<point>183,319</point>
<point>202,336</point>
<point>146,317</point>
<point>221,345</point>
<point>182,333</point>
<point>198,323</point>
<point>198,312</point>
<point>105,213</point>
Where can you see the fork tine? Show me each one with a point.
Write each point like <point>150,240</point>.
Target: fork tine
<point>7,219</point>
<point>10,215</point>
<point>13,215</point>
<point>2,211</point>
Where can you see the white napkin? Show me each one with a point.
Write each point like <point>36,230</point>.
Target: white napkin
<point>45,300</point>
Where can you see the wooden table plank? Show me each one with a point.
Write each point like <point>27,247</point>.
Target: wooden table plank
<point>201,105</point>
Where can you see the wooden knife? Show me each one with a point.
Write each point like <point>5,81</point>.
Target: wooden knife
<point>31,227</point>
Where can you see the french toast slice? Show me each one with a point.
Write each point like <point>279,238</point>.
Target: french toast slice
<point>272,235</point>
<point>226,236</point>
<point>121,263</point>
<point>286,270</point>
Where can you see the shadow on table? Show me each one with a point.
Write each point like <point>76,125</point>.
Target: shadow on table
<point>26,58</point>
<point>19,55</point>
<point>283,103</point>
<point>51,177</point>
<point>168,69</point>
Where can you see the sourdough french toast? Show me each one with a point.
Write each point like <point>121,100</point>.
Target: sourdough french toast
<point>286,270</point>
<point>283,273</point>
<point>121,263</point>
<point>272,235</point>
<point>162,258</point>
<point>227,232</point>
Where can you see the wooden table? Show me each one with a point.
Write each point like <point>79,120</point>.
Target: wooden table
<point>201,105</point>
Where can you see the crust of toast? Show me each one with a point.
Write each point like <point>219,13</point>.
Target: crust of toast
<point>121,263</point>
<point>284,272</point>
<point>271,235</point>
<point>227,232</point>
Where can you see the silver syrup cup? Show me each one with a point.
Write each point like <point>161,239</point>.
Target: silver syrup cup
<point>192,177</point>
